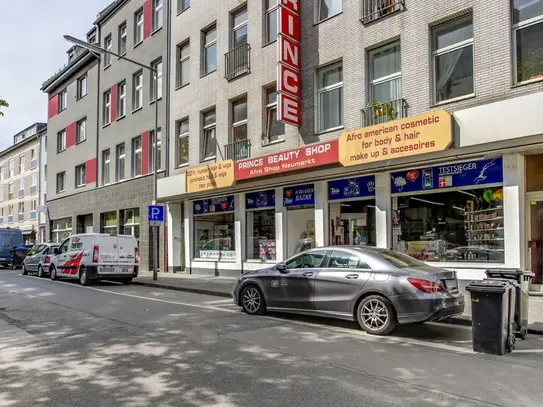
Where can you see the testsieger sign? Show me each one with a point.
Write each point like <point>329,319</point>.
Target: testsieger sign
<point>288,67</point>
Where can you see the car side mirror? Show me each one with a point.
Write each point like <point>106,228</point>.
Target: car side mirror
<point>281,267</point>
<point>56,251</point>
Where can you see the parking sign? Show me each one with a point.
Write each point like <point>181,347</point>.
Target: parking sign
<point>155,215</point>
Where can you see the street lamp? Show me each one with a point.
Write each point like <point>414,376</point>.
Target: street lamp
<point>96,49</point>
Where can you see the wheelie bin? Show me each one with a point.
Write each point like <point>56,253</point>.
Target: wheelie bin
<point>522,278</point>
<point>492,313</point>
<point>18,254</point>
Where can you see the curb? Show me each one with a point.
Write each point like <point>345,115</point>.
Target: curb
<point>186,289</point>
<point>465,321</point>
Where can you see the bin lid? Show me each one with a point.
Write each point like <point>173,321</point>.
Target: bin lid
<point>489,286</point>
<point>510,272</point>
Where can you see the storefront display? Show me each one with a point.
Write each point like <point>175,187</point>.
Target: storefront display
<point>214,228</point>
<point>352,211</point>
<point>459,219</point>
<point>261,243</point>
<point>300,201</point>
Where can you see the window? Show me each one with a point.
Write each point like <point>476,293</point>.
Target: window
<point>352,222</point>
<point>209,141</point>
<point>10,213</point>
<point>81,131</point>
<point>183,64</point>
<point>108,223</point>
<point>22,163</point>
<point>131,222</point>
<point>261,243</point>
<point>33,208</point>
<point>121,99</point>
<point>21,188</point>
<point>33,160</point>
<point>119,162</point>
<point>214,237</point>
<point>108,45</point>
<point>272,13</point>
<point>182,142</point>
<point>136,156</point>
<point>138,90</point>
<point>45,143</point>
<point>329,8</point>
<point>385,73</point>
<point>106,115</point>
<point>158,14</point>
<point>239,27</point>
<point>45,172</point>
<point>210,50</point>
<point>275,130</point>
<point>152,150</point>
<point>138,27</point>
<point>182,5</point>
<point>61,141</point>
<point>344,260</point>
<point>62,100</point>
<point>61,229</point>
<point>106,165</point>
<point>158,81</point>
<point>375,9</point>
<point>330,97</point>
<point>453,60</point>
<point>312,259</point>
<point>2,174</point>
<point>10,191</point>
<point>2,193</point>
<point>34,183</point>
<point>82,86</point>
<point>11,166</point>
<point>80,180</point>
<point>528,39</point>
<point>61,182</point>
<point>21,211</point>
<point>239,120</point>
<point>122,38</point>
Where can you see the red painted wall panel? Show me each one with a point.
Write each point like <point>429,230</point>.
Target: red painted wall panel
<point>90,171</point>
<point>114,103</point>
<point>70,134</point>
<point>53,106</point>
<point>147,15</point>
<point>145,153</point>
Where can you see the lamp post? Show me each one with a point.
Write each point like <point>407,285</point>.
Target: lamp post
<point>102,51</point>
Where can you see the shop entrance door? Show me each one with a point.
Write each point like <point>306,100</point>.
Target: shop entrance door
<point>535,241</point>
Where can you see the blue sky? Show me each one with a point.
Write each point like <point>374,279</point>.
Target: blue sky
<point>31,50</point>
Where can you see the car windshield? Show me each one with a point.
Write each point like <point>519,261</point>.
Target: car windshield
<point>9,240</point>
<point>399,259</point>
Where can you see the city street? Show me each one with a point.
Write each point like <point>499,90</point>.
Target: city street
<point>112,345</point>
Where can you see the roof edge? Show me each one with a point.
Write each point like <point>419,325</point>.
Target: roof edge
<point>109,11</point>
<point>67,69</point>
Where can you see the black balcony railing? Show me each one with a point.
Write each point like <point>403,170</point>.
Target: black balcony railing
<point>375,9</point>
<point>237,61</point>
<point>382,112</point>
<point>238,150</point>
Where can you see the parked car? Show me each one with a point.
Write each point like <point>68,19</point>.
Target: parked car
<point>8,239</point>
<point>38,259</point>
<point>378,288</point>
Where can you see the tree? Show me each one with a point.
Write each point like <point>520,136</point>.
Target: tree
<point>3,103</point>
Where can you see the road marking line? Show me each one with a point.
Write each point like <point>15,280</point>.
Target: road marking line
<point>359,334</point>
<point>229,301</point>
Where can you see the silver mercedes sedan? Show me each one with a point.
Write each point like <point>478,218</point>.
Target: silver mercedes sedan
<point>378,288</point>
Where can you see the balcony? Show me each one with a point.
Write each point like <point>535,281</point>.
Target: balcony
<point>375,9</point>
<point>238,150</point>
<point>237,62</point>
<point>382,112</point>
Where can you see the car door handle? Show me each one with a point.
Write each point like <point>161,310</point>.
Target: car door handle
<point>308,274</point>
<point>352,276</point>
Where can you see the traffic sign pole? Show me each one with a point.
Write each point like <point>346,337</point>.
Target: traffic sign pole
<point>155,216</point>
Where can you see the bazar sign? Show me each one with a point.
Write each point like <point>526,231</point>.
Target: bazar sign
<point>300,158</point>
<point>424,133</point>
<point>211,176</point>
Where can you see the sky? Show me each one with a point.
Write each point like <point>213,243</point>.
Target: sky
<point>32,49</point>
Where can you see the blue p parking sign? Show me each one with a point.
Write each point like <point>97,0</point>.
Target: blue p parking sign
<point>155,214</point>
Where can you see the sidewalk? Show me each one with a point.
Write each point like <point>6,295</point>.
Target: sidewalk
<point>223,287</point>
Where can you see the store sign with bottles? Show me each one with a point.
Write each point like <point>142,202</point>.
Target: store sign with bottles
<point>351,188</point>
<point>213,205</point>
<point>260,199</point>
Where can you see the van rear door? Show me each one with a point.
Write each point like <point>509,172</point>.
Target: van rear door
<point>126,253</point>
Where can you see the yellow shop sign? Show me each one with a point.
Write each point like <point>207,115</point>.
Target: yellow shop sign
<point>211,176</point>
<point>424,133</point>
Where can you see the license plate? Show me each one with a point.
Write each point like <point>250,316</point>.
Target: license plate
<point>451,285</point>
<point>107,270</point>
<point>124,270</point>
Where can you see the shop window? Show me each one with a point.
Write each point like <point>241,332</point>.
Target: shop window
<point>528,39</point>
<point>109,222</point>
<point>261,243</point>
<point>214,237</point>
<point>353,223</point>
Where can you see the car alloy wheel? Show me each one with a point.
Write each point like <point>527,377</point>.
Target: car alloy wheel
<point>53,273</point>
<point>376,315</point>
<point>24,271</point>
<point>40,271</point>
<point>252,301</point>
<point>83,279</point>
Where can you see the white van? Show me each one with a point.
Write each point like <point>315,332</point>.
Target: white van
<point>94,256</point>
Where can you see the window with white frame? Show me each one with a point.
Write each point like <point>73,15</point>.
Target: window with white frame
<point>210,50</point>
<point>61,182</point>
<point>528,39</point>
<point>131,222</point>
<point>329,8</point>
<point>385,71</point>
<point>123,34</point>
<point>182,5</point>
<point>152,150</point>
<point>239,27</point>
<point>108,222</point>
<point>82,86</point>
<point>138,27</point>
<point>121,99</point>
<point>156,81</point>
<point>61,141</point>
<point>80,176</point>
<point>136,156</point>
<point>21,211</point>
<point>120,158</point>
<point>45,172</point>
<point>209,142</point>
<point>2,175</point>
<point>33,208</point>
<point>239,120</point>
<point>106,114</point>
<point>108,45</point>
<point>158,14</point>
<point>33,160</point>
<point>62,100</point>
<point>11,166</point>
<point>61,229</point>
<point>275,130</point>
<point>138,90</point>
<point>452,49</point>
<point>34,183</point>
<point>106,167</point>
<point>272,13</point>
<point>81,131</point>
<point>330,97</point>
<point>21,187</point>
<point>10,191</point>
<point>22,163</point>
<point>1,193</point>
<point>182,130</point>
<point>10,213</point>
<point>183,64</point>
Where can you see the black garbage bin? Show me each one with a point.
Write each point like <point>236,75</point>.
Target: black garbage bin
<point>522,279</point>
<point>492,313</point>
<point>18,254</point>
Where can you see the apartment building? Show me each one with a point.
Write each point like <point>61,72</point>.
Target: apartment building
<point>19,182</point>
<point>101,126</point>
<point>418,130</point>
<point>42,208</point>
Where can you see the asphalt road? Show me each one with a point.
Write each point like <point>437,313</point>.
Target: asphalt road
<point>113,345</point>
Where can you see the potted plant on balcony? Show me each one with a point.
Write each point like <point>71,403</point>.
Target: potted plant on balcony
<point>383,111</point>
<point>530,67</point>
